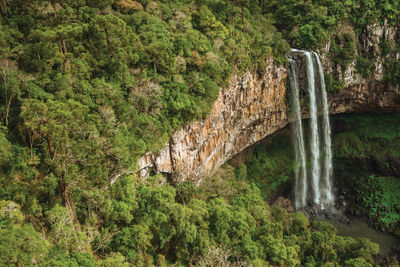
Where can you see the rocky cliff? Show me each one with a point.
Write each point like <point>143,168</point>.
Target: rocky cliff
<point>254,106</point>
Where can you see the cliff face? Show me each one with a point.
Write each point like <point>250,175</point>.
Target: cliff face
<point>251,108</point>
<point>254,106</point>
<point>361,94</point>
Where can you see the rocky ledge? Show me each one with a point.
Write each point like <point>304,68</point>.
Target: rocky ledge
<point>254,106</point>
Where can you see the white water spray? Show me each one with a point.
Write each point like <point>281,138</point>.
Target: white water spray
<point>321,185</point>
<point>314,138</point>
<point>298,140</point>
<point>327,198</point>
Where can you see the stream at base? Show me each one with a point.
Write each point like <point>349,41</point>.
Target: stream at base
<point>359,229</point>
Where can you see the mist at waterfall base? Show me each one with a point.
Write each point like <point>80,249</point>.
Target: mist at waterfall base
<point>313,184</point>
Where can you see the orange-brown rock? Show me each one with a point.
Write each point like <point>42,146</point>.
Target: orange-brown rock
<point>254,106</point>
<point>250,108</point>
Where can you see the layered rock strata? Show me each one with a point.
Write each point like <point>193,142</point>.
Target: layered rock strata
<point>252,107</point>
<point>255,105</point>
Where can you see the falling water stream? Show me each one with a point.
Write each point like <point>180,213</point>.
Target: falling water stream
<point>313,184</point>
<point>327,199</point>
<point>314,142</point>
<point>320,173</point>
<point>298,140</point>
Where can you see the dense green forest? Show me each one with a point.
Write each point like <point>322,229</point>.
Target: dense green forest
<point>87,87</point>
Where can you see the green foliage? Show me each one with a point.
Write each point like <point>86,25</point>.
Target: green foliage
<point>21,245</point>
<point>372,192</point>
<point>87,87</point>
<point>10,213</point>
<point>391,64</point>
<point>114,259</point>
<point>309,35</point>
<point>63,233</point>
<point>386,47</point>
<point>378,199</point>
<point>342,52</point>
<point>356,140</point>
<point>241,172</point>
<point>333,85</point>
<point>358,262</point>
<point>210,26</point>
<point>307,25</point>
<point>5,147</point>
<point>365,66</point>
<point>271,166</point>
<point>168,227</point>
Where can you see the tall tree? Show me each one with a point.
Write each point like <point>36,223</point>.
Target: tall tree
<point>10,83</point>
<point>67,138</point>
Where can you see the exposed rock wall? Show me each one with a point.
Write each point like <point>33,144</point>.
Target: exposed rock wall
<point>369,40</point>
<point>372,94</point>
<point>254,106</point>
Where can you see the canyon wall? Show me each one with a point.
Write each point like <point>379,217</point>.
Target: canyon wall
<point>250,108</point>
<point>255,105</point>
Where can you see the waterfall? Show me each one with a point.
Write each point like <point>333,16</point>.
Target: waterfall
<point>314,142</point>
<point>321,184</point>
<point>298,140</point>
<point>327,198</point>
